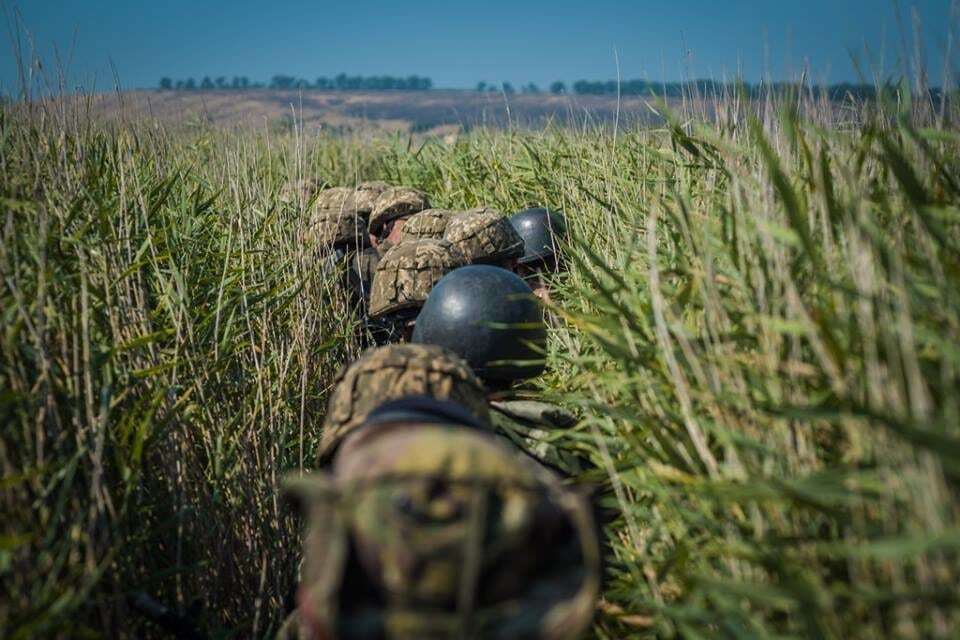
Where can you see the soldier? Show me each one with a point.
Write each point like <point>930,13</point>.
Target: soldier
<point>429,223</point>
<point>403,279</point>
<point>428,526</point>
<point>489,317</point>
<point>541,231</point>
<point>485,237</point>
<point>345,233</point>
<point>391,209</point>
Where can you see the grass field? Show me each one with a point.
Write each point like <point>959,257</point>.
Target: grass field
<point>760,332</point>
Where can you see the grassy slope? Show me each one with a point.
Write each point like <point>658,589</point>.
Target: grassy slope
<point>761,336</point>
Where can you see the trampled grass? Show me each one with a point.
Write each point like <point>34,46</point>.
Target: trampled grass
<point>759,329</point>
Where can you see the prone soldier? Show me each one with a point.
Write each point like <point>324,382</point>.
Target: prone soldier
<point>426,525</point>
<point>490,318</point>
<point>542,232</point>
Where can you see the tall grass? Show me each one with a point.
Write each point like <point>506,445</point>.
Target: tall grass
<point>759,328</point>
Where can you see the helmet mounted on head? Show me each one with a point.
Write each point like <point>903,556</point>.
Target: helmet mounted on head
<point>484,236</point>
<point>393,203</point>
<point>489,317</point>
<point>541,231</point>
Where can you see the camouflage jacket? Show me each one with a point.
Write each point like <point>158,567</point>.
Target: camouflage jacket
<point>533,426</point>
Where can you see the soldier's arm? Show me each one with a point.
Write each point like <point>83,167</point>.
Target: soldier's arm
<point>542,414</point>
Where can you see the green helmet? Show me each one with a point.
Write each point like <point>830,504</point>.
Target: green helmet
<point>429,223</point>
<point>484,236</point>
<point>396,202</point>
<point>297,191</point>
<point>392,372</point>
<point>407,272</point>
<point>433,529</point>
<point>337,229</point>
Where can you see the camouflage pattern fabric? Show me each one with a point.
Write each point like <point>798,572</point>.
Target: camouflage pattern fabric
<point>336,198</point>
<point>392,372</point>
<point>533,426</point>
<point>396,202</point>
<point>430,531</point>
<point>407,272</point>
<point>336,228</point>
<point>429,223</point>
<point>366,194</point>
<point>300,191</point>
<point>484,236</point>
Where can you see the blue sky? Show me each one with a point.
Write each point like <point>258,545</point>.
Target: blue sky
<point>458,43</point>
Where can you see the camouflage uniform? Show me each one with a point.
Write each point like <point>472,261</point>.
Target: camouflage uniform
<point>531,425</point>
<point>429,223</point>
<point>404,277</point>
<point>428,528</point>
<point>484,236</point>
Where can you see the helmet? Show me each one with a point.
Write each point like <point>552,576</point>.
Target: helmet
<point>338,198</point>
<point>540,229</point>
<point>440,530</point>
<point>337,229</point>
<point>366,196</point>
<point>484,236</point>
<point>396,202</point>
<point>296,191</point>
<point>407,272</point>
<point>489,317</point>
<point>429,223</point>
<point>392,372</point>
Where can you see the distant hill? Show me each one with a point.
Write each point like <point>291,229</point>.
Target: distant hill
<point>436,111</point>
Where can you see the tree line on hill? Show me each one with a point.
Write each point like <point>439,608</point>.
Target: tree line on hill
<point>340,82</point>
<point>344,82</point>
<point>680,89</point>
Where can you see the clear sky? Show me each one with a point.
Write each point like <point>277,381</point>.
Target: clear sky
<point>458,43</point>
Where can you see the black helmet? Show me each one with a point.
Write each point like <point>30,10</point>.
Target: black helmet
<point>489,317</point>
<point>540,229</point>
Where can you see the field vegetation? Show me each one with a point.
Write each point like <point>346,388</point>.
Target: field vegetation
<point>759,329</point>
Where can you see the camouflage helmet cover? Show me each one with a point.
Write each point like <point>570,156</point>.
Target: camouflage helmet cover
<point>392,372</point>
<point>337,198</point>
<point>407,272</point>
<point>484,236</point>
<point>396,202</point>
<point>366,194</point>
<point>457,534</point>
<point>337,229</point>
<point>429,223</point>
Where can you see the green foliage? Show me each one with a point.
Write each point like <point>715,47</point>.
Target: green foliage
<point>759,327</point>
